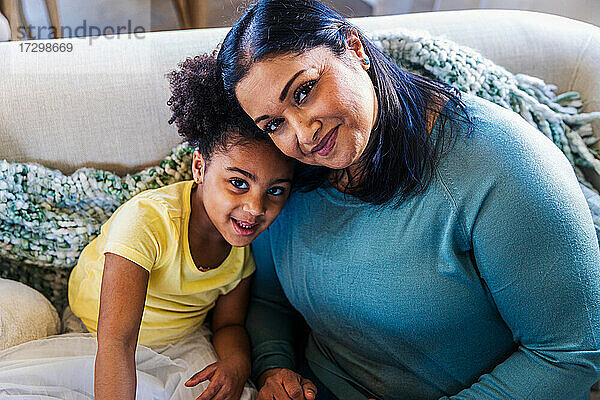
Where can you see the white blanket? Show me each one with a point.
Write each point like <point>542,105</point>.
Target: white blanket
<point>62,367</point>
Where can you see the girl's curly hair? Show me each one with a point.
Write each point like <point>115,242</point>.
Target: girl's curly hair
<point>205,117</point>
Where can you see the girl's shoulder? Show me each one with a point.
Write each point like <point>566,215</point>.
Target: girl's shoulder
<point>171,201</point>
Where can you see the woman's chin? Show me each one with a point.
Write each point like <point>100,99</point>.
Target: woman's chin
<point>333,160</point>
<point>337,163</point>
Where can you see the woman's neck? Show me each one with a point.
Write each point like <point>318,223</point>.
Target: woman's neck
<point>340,178</point>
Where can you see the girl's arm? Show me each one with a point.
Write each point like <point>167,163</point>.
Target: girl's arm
<point>228,375</point>
<point>229,333</point>
<point>122,298</point>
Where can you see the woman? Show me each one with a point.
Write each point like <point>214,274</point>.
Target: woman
<point>440,247</point>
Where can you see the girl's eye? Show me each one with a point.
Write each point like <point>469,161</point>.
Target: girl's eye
<point>239,183</point>
<point>276,191</point>
<point>303,91</point>
<point>272,125</point>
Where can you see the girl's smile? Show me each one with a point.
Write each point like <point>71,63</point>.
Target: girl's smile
<point>244,228</point>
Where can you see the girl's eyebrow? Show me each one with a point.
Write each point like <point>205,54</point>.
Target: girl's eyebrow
<point>241,171</point>
<point>282,180</point>
<point>253,178</point>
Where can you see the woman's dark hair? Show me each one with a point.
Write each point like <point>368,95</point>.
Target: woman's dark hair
<point>205,117</point>
<point>399,160</point>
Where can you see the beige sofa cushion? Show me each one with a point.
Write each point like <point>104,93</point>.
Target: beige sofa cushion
<point>24,314</point>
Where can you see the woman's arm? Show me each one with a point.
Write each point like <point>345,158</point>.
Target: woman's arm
<point>536,250</point>
<point>122,298</point>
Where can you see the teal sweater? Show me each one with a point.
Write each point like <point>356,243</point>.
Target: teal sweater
<point>486,286</point>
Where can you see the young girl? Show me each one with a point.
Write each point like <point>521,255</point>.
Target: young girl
<point>170,255</point>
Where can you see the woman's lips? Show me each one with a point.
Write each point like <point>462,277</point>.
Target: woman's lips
<point>244,228</point>
<point>327,143</point>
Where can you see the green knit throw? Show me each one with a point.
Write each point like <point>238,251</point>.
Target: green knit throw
<point>47,217</point>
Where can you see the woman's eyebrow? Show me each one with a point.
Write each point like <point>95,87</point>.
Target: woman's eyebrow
<point>283,94</point>
<point>257,120</point>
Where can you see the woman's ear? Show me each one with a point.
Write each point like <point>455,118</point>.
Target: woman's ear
<point>356,49</point>
<point>198,167</point>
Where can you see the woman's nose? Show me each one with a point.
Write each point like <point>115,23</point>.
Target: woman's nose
<point>306,129</point>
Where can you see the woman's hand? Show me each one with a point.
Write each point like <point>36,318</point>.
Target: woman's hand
<point>284,384</point>
<point>226,380</point>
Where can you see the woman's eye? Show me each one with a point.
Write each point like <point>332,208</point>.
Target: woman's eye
<point>276,191</point>
<point>303,91</point>
<point>239,183</point>
<point>272,125</point>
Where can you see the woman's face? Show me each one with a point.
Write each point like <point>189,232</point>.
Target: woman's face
<point>317,107</point>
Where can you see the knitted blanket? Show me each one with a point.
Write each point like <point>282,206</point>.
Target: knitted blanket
<point>47,217</point>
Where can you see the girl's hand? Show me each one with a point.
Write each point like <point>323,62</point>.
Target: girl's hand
<point>226,382</point>
<point>285,384</point>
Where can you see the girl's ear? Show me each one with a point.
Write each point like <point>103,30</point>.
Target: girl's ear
<point>198,167</point>
<point>356,49</point>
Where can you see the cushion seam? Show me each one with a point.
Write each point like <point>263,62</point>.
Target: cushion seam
<point>578,61</point>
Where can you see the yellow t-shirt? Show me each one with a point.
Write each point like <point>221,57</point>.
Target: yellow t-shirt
<point>151,229</point>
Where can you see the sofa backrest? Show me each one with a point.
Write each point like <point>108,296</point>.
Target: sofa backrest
<point>103,104</point>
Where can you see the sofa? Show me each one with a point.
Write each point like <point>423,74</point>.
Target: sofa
<point>103,103</point>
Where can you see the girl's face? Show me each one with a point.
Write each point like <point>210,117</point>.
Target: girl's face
<point>317,107</point>
<point>243,189</point>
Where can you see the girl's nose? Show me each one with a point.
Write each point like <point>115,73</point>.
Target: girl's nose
<point>254,205</point>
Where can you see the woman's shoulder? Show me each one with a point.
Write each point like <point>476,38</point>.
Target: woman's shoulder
<point>499,141</point>
<point>503,154</point>
<point>491,122</point>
